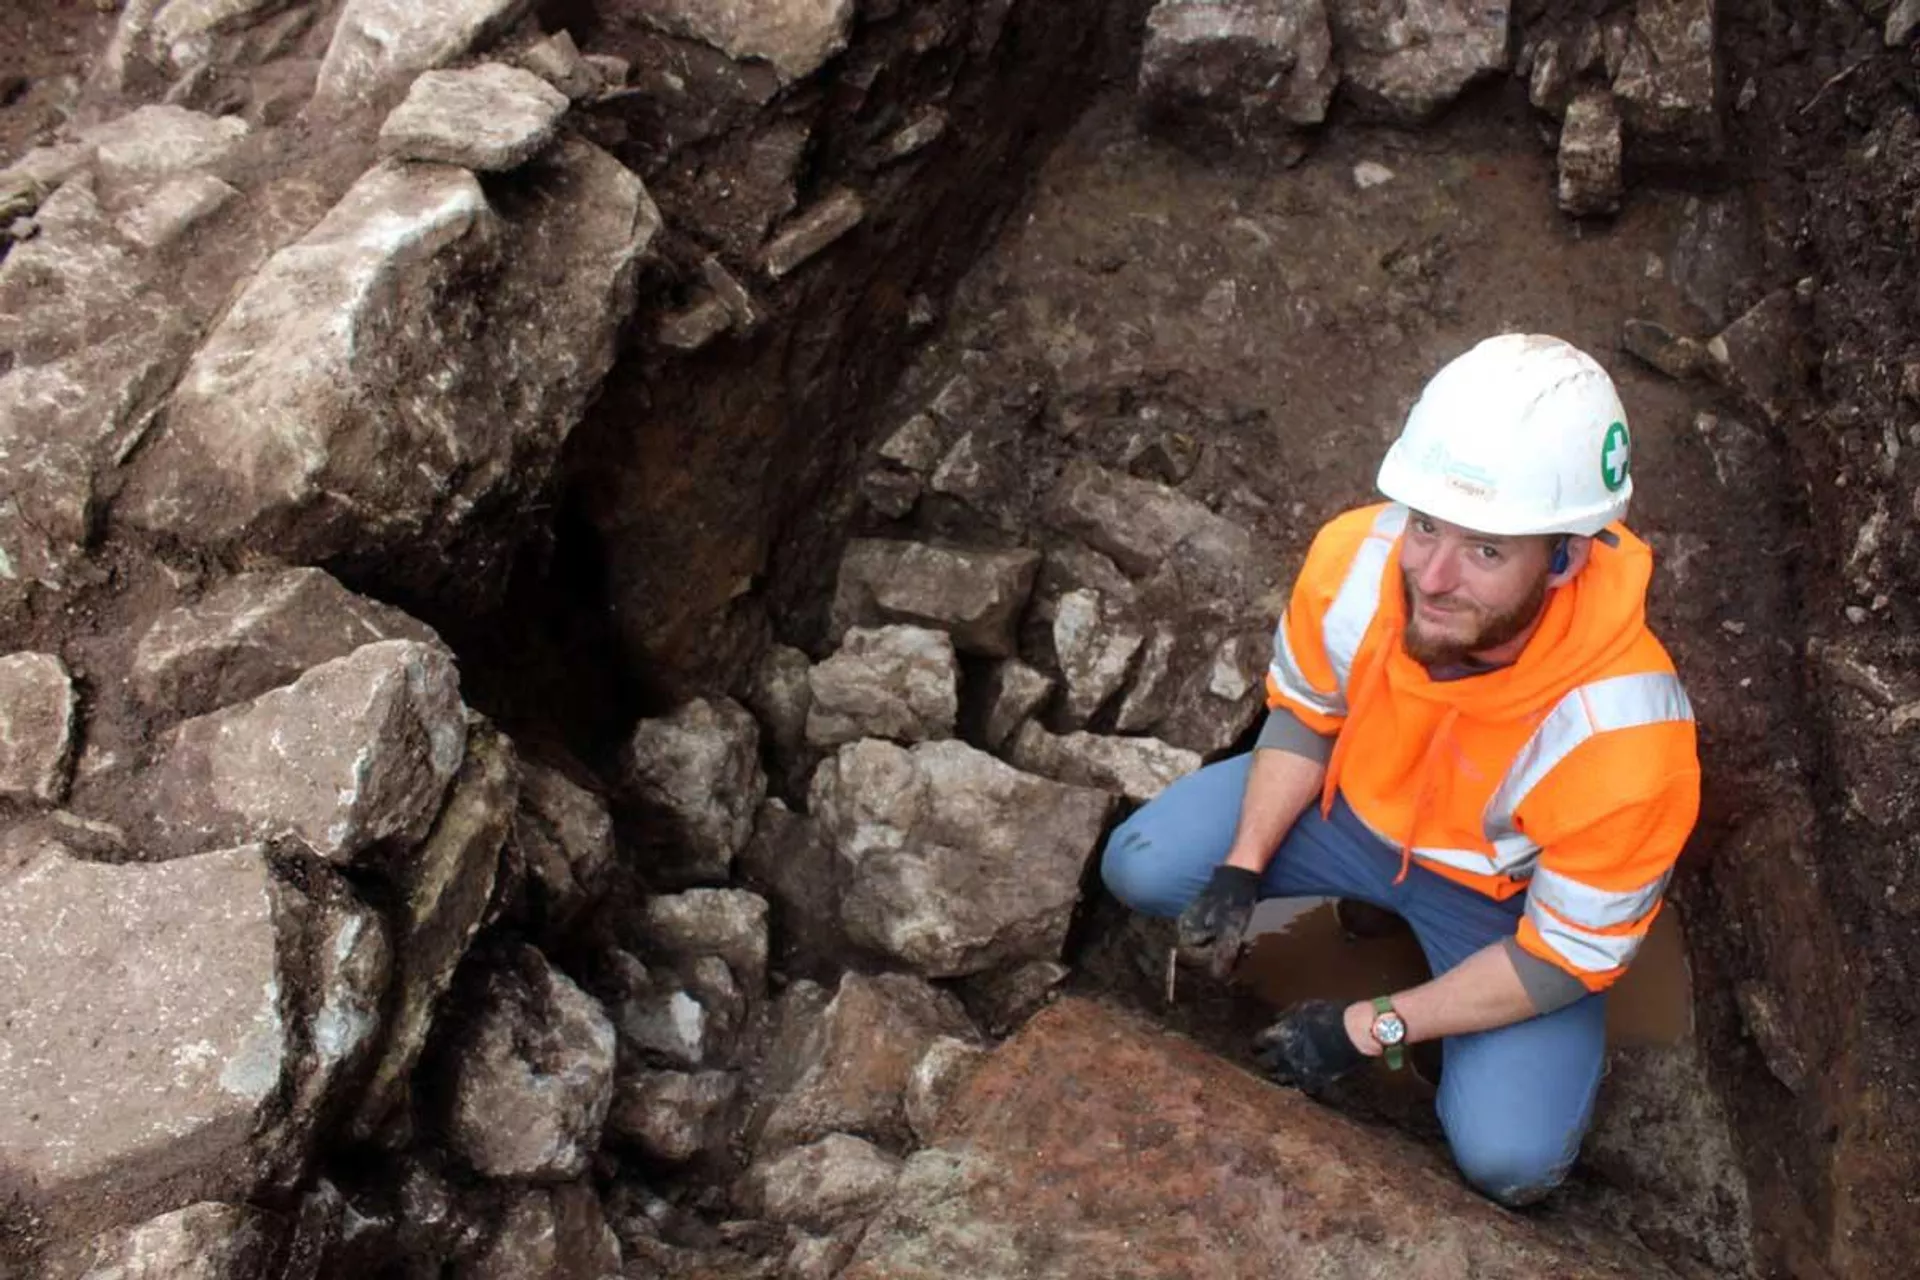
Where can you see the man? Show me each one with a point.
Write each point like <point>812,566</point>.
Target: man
<point>1469,725</point>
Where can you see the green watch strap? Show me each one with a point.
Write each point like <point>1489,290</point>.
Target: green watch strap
<point>1395,1054</point>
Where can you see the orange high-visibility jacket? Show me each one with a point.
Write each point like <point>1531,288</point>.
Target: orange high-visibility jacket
<point>1571,775</point>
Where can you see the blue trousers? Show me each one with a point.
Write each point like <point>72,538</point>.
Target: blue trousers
<point>1514,1101</point>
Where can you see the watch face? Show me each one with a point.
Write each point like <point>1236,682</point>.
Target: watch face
<point>1388,1029</point>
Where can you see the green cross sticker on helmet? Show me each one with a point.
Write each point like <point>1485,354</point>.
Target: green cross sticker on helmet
<point>1613,456</point>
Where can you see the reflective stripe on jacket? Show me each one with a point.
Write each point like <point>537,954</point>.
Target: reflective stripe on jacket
<point>1571,775</point>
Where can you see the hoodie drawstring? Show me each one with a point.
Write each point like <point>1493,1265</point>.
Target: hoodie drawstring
<point>1370,684</point>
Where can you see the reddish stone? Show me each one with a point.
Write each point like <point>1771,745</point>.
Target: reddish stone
<point>1094,1145</point>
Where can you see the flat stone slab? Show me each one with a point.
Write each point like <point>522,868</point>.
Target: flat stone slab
<point>490,118</point>
<point>795,36</point>
<point>1095,1147</point>
<point>379,44</point>
<point>143,1037</point>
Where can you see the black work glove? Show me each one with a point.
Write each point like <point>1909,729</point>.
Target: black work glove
<point>1309,1046</point>
<point>1214,925</point>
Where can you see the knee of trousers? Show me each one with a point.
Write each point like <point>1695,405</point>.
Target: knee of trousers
<point>1132,868</point>
<point>1508,1164</point>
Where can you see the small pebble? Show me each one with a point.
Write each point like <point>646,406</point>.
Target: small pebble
<point>1369,174</point>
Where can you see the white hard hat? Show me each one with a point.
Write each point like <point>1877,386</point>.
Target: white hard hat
<point>1523,434</point>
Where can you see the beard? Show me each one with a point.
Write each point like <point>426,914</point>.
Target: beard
<point>1490,630</point>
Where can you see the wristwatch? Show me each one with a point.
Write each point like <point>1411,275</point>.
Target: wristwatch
<point>1389,1031</point>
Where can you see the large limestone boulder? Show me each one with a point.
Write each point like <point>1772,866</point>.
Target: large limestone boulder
<point>844,1064</point>
<point>1095,649</point>
<point>380,45</point>
<point>532,1075</point>
<point>696,776</point>
<point>976,596</point>
<point>952,861</point>
<point>795,36</point>
<point>1193,1154</point>
<point>1241,72</point>
<point>161,141</point>
<point>489,118</point>
<point>281,430</point>
<point>1406,59</point>
<point>895,682</point>
<point>356,752</point>
<point>253,633</point>
<point>146,1032</point>
<point>38,710</point>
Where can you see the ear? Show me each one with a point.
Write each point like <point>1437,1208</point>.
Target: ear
<point>1579,551</point>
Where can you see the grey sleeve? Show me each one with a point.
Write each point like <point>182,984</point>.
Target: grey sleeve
<point>1548,986</point>
<point>1284,731</point>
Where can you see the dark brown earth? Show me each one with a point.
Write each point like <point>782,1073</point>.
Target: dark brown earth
<point>45,51</point>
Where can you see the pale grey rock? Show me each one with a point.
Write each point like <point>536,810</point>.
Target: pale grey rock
<point>698,773</point>
<point>1137,768</point>
<point>204,1241</point>
<point>349,967</point>
<point>1095,652</point>
<point>821,1185</point>
<point>558,61</point>
<point>1242,72</point>
<point>614,71</point>
<point>356,752</point>
<point>65,425</point>
<point>682,1017</point>
<point>379,45</point>
<point>173,39</point>
<point>1142,525</point>
<point>972,471</point>
<point>1070,566</point>
<point>1556,64</point>
<point>159,141</point>
<point>1903,19</point>
<point>75,276</point>
<point>1754,356</point>
<point>795,36</point>
<point>814,1257</point>
<point>1590,156</point>
<point>563,834</point>
<point>38,172</point>
<point>728,923</point>
<point>976,596</point>
<point>916,444</point>
<point>489,118</point>
<point>899,682</point>
<point>935,1078</point>
<point>673,1116</point>
<point>1013,692</point>
<point>440,889</point>
<point>532,1076</point>
<point>38,711</point>
<point>256,632</point>
<point>810,233</point>
<point>1003,999</point>
<point>1150,693</point>
<point>144,1084</point>
<point>953,862</point>
<point>842,1065</point>
<point>279,430</point>
<point>1406,59</point>
<point>915,136</point>
<point>1667,81</point>
<point>172,208</point>
<point>549,1234</point>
